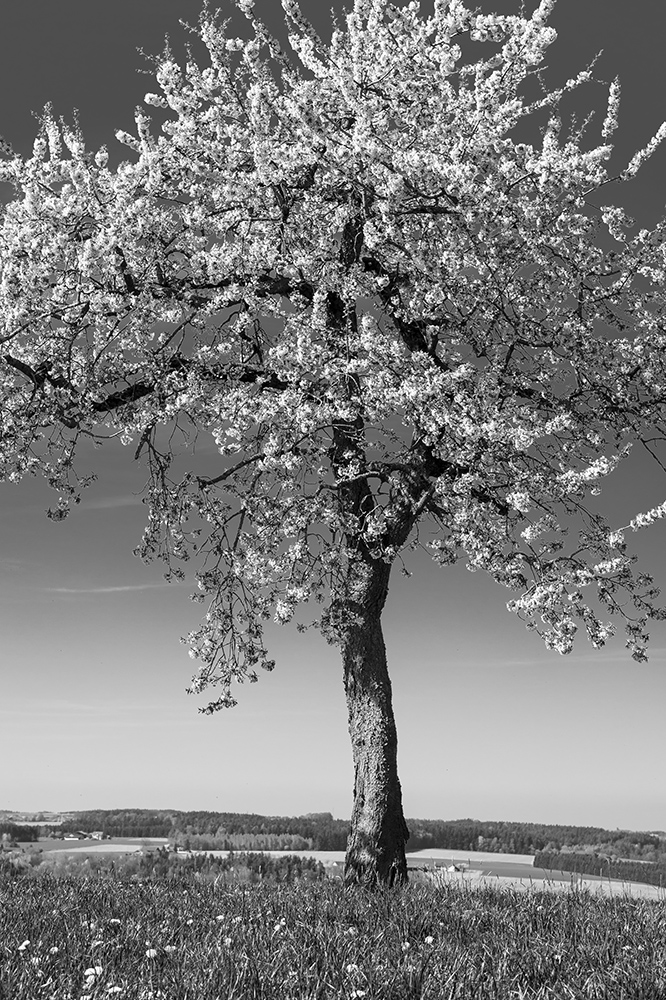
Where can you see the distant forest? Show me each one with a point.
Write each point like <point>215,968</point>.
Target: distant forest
<point>596,864</point>
<point>320,831</point>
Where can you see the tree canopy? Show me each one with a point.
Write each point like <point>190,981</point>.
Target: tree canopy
<point>402,326</point>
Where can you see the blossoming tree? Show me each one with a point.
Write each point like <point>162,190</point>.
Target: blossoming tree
<point>401,326</point>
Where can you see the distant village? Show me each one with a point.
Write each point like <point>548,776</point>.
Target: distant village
<point>77,835</point>
<point>47,820</point>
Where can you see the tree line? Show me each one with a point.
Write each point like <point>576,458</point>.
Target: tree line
<point>599,864</point>
<point>18,832</point>
<point>207,830</point>
<point>528,838</point>
<point>119,822</point>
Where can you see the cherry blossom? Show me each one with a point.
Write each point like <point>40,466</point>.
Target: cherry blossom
<point>399,326</point>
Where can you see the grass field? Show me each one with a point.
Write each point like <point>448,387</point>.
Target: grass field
<point>72,937</point>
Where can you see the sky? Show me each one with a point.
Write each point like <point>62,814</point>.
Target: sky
<point>93,709</point>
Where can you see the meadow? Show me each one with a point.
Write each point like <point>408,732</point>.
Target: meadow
<point>72,937</point>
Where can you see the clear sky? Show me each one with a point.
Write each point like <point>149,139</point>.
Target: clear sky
<point>93,711</point>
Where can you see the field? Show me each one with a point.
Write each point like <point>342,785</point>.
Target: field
<point>73,937</point>
<point>115,845</point>
<point>480,868</point>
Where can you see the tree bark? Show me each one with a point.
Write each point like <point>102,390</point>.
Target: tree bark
<point>376,844</point>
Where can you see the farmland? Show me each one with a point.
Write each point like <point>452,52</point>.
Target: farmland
<point>475,868</point>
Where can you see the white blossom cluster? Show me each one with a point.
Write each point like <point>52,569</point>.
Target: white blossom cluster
<point>340,267</point>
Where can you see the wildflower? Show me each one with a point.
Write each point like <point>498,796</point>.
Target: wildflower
<point>93,972</point>
<point>227,942</point>
<point>219,917</point>
<point>429,939</point>
<point>114,989</point>
<point>54,950</point>
<point>352,969</point>
<point>406,946</point>
<point>96,944</point>
<point>169,948</point>
<point>189,922</point>
<point>22,947</point>
<point>151,952</point>
<point>351,931</point>
<point>114,920</point>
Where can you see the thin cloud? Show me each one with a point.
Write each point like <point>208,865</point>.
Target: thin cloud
<point>108,503</point>
<point>112,590</point>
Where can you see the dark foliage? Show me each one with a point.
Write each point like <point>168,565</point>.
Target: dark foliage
<point>527,838</point>
<point>218,831</point>
<point>17,832</point>
<point>121,822</point>
<point>597,864</point>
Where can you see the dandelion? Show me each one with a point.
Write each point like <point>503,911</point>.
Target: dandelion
<point>429,939</point>
<point>151,952</point>
<point>352,969</point>
<point>219,918</point>
<point>227,942</point>
<point>114,920</point>
<point>114,989</point>
<point>169,948</point>
<point>406,946</point>
<point>23,946</point>
<point>93,972</point>
<point>54,950</point>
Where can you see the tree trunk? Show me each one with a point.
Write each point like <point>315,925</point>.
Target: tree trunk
<point>376,844</point>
